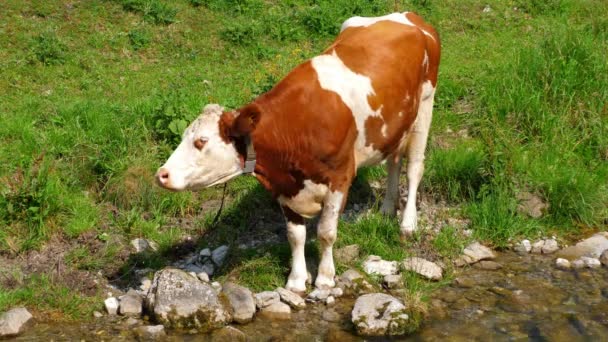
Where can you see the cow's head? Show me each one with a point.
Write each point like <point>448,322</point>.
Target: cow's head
<point>212,150</point>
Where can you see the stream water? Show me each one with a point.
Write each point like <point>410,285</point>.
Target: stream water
<point>527,300</point>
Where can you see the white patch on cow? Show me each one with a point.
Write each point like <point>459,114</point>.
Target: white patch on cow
<point>190,168</point>
<point>353,89</point>
<point>308,201</point>
<point>400,18</point>
<point>327,232</point>
<point>296,235</point>
<point>416,146</point>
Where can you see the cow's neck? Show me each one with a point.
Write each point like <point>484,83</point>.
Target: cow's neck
<point>249,157</point>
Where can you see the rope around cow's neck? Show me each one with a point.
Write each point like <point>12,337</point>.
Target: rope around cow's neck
<point>219,212</point>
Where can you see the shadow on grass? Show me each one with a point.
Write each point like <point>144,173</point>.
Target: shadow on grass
<point>252,225</point>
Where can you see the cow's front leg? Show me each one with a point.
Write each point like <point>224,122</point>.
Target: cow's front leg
<point>327,231</point>
<point>296,235</point>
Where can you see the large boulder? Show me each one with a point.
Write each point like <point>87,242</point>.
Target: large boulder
<point>13,322</point>
<point>591,247</point>
<point>179,300</point>
<point>378,314</point>
<point>241,302</point>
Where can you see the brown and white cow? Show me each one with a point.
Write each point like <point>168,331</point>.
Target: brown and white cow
<point>366,99</point>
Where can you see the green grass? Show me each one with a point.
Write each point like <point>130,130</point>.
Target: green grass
<point>94,96</point>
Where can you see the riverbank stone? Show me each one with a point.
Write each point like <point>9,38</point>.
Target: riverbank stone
<point>179,300</point>
<point>291,298</point>
<point>14,322</point>
<point>266,298</point>
<point>375,265</point>
<point>131,304</point>
<point>277,311</point>
<point>592,247</point>
<point>228,334</point>
<point>150,332</point>
<point>141,245</point>
<point>378,314</point>
<point>111,305</point>
<point>473,253</point>
<point>423,267</point>
<point>487,265</point>
<point>347,254</point>
<point>524,247</point>
<point>562,264</point>
<point>241,302</point>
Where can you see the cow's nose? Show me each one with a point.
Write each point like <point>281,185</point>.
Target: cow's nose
<point>162,177</point>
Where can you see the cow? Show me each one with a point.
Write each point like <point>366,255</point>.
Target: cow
<point>366,99</point>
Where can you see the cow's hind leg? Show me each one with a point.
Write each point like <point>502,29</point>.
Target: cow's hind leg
<point>415,157</point>
<point>327,232</point>
<point>391,198</point>
<point>296,235</point>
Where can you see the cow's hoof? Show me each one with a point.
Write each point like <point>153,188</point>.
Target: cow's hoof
<point>298,287</point>
<point>388,211</point>
<point>406,234</point>
<point>324,283</point>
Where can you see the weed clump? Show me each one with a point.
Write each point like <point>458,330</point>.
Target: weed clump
<point>154,11</point>
<point>49,49</point>
<point>139,39</point>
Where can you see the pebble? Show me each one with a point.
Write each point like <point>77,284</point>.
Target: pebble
<point>524,247</point>
<point>562,264</point>
<point>488,265</point>
<point>13,322</point>
<point>278,310</point>
<point>393,281</point>
<point>337,292</point>
<point>202,276</point>
<point>330,300</point>
<point>591,262</point>
<point>331,316</point>
<point>550,246</point>
<point>266,298</point>
<point>111,305</point>
<point>578,264</point>
<point>318,295</point>
<point>97,314</point>
<point>537,247</point>
<point>291,298</point>
<point>131,304</point>
<point>219,255</point>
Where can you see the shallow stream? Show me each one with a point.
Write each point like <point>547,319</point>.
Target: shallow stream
<point>527,300</point>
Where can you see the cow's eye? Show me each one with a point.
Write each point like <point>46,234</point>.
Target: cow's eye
<point>200,143</point>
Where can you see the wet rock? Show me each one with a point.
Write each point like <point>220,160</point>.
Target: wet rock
<point>591,262</point>
<point>202,276</point>
<point>488,265</point>
<point>111,305</point>
<point>278,311</point>
<point>393,281</point>
<point>378,314</point>
<point>330,300</point>
<point>142,245</point>
<point>132,321</point>
<point>219,255</point>
<point>318,295</point>
<point>464,282</point>
<point>474,253</point>
<point>192,268</point>
<point>423,267</point>
<point>531,205</point>
<point>604,258</point>
<point>337,292</point>
<point>150,332</point>
<point>208,268</point>
<point>524,247</point>
<point>204,253</point>
<point>14,322</point>
<point>562,264</point>
<point>228,334</point>
<point>375,265</point>
<point>347,254</point>
<point>331,316</point>
<point>550,246</point>
<point>180,300</point>
<point>578,263</point>
<point>131,304</point>
<point>335,334</point>
<point>537,247</point>
<point>291,298</point>
<point>241,301</point>
<point>266,298</point>
<point>591,247</point>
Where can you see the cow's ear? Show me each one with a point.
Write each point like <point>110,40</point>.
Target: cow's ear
<point>245,121</point>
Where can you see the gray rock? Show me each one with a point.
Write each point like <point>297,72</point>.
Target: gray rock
<point>488,265</point>
<point>266,298</point>
<point>347,254</point>
<point>150,332</point>
<point>474,253</point>
<point>291,298</point>
<point>278,311</point>
<point>111,305</point>
<point>393,281</point>
<point>350,276</point>
<point>537,247</point>
<point>550,246</point>
<point>14,322</point>
<point>591,247</point>
<point>378,314</point>
<point>562,264</point>
<point>176,299</point>
<point>142,245</point>
<point>219,255</point>
<point>423,267</point>
<point>591,262</point>
<point>208,268</point>
<point>228,334</point>
<point>192,268</point>
<point>318,295</point>
<point>524,247</point>
<point>375,265</point>
<point>241,301</point>
<point>205,253</point>
<point>131,304</point>
<point>604,258</point>
<point>330,300</point>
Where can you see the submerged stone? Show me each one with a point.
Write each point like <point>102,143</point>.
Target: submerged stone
<point>591,247</point>
<point>278,311</point>
<point>241,301</point>
<point>378,314</point>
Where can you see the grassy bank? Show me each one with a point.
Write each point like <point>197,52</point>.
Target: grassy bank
<point>94,96</point>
